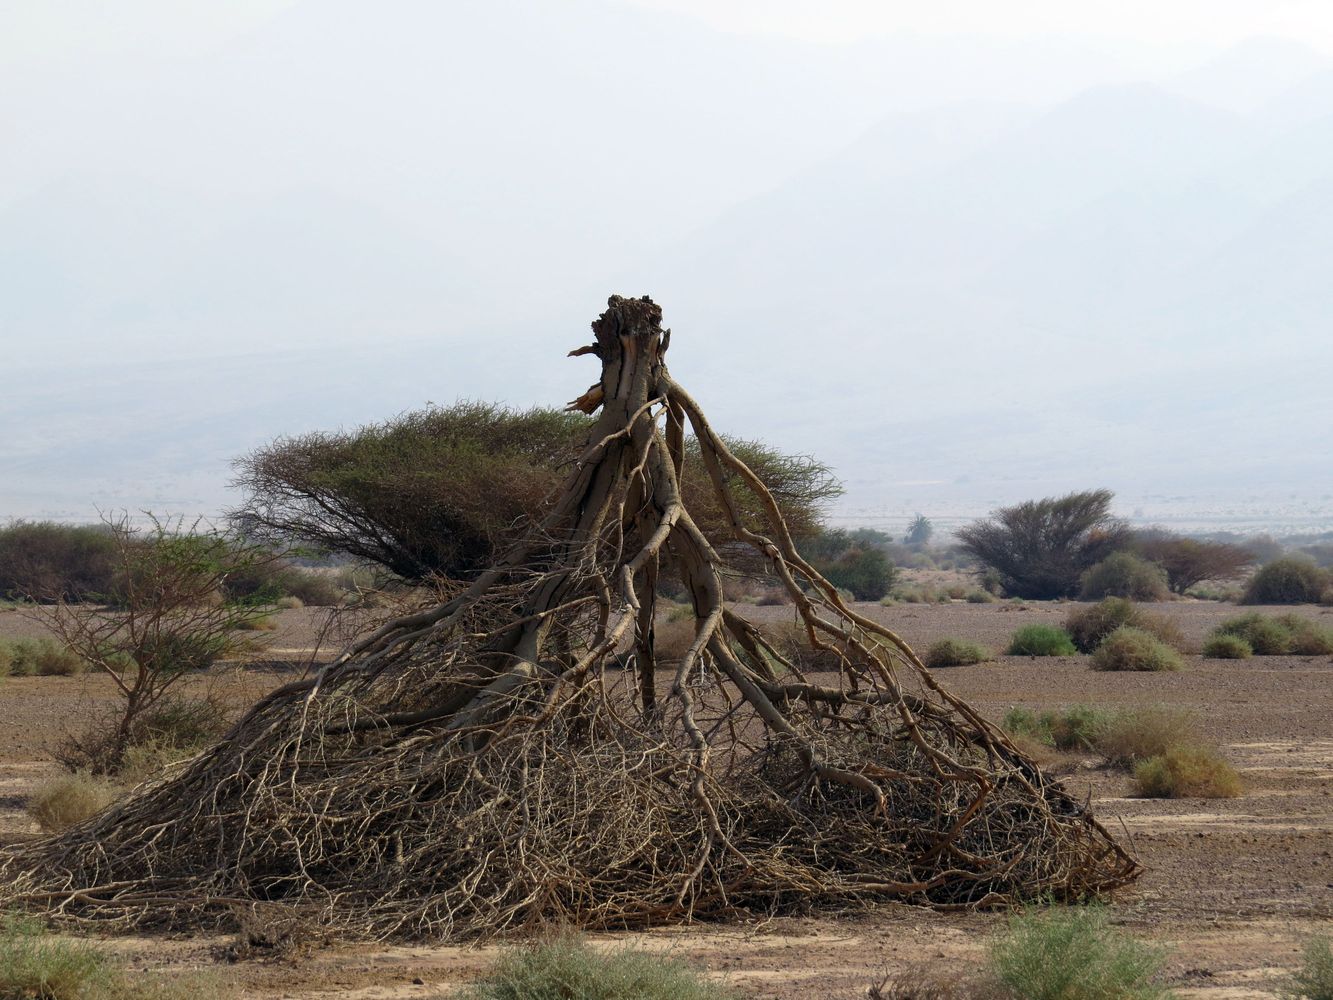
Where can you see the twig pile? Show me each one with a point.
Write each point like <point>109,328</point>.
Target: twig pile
<point>518,754</point>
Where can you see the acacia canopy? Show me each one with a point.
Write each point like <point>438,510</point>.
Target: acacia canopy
<point>439,491</point>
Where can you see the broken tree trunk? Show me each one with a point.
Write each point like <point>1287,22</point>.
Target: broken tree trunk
<point>485,763</point>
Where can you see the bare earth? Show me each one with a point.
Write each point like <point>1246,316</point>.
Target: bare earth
<point>1235,886</point>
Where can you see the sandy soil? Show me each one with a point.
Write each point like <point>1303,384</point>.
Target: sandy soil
<point>1233,886</point>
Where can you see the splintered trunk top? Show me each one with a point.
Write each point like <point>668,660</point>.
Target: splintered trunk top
<point>486,763</point>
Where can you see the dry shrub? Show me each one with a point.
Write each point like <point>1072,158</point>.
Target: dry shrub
<point>955,653</point>
<point>1041,640</point>
<point>1227,647</point>
<point>1123,574</point>
<point>289,603</point>
<point>1288,580</point>
<point>69,799</point>
<point>792,642</point>
<point>1281,635</point>
<point>1135,734</point>
<point>1089,626</point>
<point>1134,649</point>
<point>980,597</point>
<point>1184,772</point>
<point>1314,979</point>
<point>41,657</point>
<point>266,623</point>
<point>1077,727</point>
<point>923,983</point>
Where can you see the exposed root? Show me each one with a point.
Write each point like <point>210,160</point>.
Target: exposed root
<point>487,763</point>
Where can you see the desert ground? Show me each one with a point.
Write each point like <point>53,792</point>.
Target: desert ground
<point>1233,886</point>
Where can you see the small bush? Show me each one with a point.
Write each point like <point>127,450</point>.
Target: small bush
<point>567,969</point>
<point>1314,979</point>
<point>289,603</point>
<point>1288,580</point>
<point>955,653</point>
<point>1074,728</point>
<point>264,623</point>
<point>1074,954</point>
<point>1133,649</point>
<point>35,965</point>
<point>1041,640</point>
<point>172,730</point>
<point>40,657</point>
<point>1227,647</point>
<point>1284,635</point>
<point>70,799</point>
<point>1186,772</point>
<point>1089,626</point>
<point>1123,574</point>
<point>1131,735</point>
<point>980,597</point>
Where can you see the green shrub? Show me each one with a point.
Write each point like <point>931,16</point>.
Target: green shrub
<point>41,657</point>
<point>1314,979</point>
<point>1074,954</point>
<point>1088,626</point>
<point>47,562</point>
<point>980,597</point>
<point>1041,640</point>
<point>1130,735</point>
<point>955,653</point>
<point>567,969</point>
<point>1123,574</point>
<point>1227,647</point>
<point>35,965</point>
<point>1076,727</point>
<point>1283,635</point>
<point>1288,580</point>
<point>1187,772</point>
<point>1133,649</point>
<point>70,799</point>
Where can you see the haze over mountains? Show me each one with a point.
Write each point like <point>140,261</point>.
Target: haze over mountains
<point>962,272</point>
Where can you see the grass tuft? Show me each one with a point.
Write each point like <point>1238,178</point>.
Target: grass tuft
<point>1184,772</point>
<point>567,969</point>
<point>1074,954</point>
<point>69,799</point>
<point>1041,640</point>
<point>39,657</point>
<point>1227,647</point>
<point>955,653</point>
<point>1129,648</point>
<point>1314,979</point>
<point>1280,635</point>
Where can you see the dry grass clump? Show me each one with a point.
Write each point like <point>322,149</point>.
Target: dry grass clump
<point>1131,735</point>
<point>1277,635</point>
<point>566,968</point>
<point>955,653</point>
<point>1041,640</point>
<point>1227,647</point>
<point>1077,727</point>
<point>1129,648</point>
<point>69,799</point>
<point>1184,772</point>
<point>263,623</point>
<point>919,983</point>
<point>289,603</point>
<point>1074,954</point>
<point>39,657</point>
<point>1088,626</point>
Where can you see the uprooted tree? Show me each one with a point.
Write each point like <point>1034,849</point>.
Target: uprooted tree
<point>486,763</point>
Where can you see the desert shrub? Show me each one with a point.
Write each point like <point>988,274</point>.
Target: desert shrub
<point>289,603</point>
<point>850,564</point>
<point>1076,727</point>
<point>41,657</point>
<point>70,799</point>
<point>1283,635</point>
<point>170,730</point>
<point>567,969</point>
<point>274,580</point>
<point>1074,954</point>
<point>1130,735</point>
<point>1288,580</point>
<point>979,597</point>
<point>921,983</point>
<point>955,653</point>
<point>1130,648</point>
<point>1227,647</point>
<point>1214,592</point>
<point>1123,574</point>
<point>38,966</point>
<point>1187,562</point>
<point>919,594</point>
<point>45,561</point>
<point>790,641</point>
<point>1041,640</point>
<point>263,623</point>
<point>1314,979</point>
<point>1087,627</point>
<point>1186,772</point>
<point>1041,548</point>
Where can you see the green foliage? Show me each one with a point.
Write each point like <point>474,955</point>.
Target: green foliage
<point>44,561</point>
<point>1040,548</point>
<point>1041,640</point>
<point>1088,626</point>
<point>1314,979</point>
<point>568,969</point>
<point>1074,954</point>
<point>1129,648</point>
<point>1187,772</point>
<point>862,569</point>
<point>1073,728</point>
<point>919,531</point>
<point>1288,580</point>
<point>437,492</point>
<point>39,657</point>
<point>955,653</point>
<point>1282,635</point>
<point>1227,647</point>
<point>1123,574</point>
